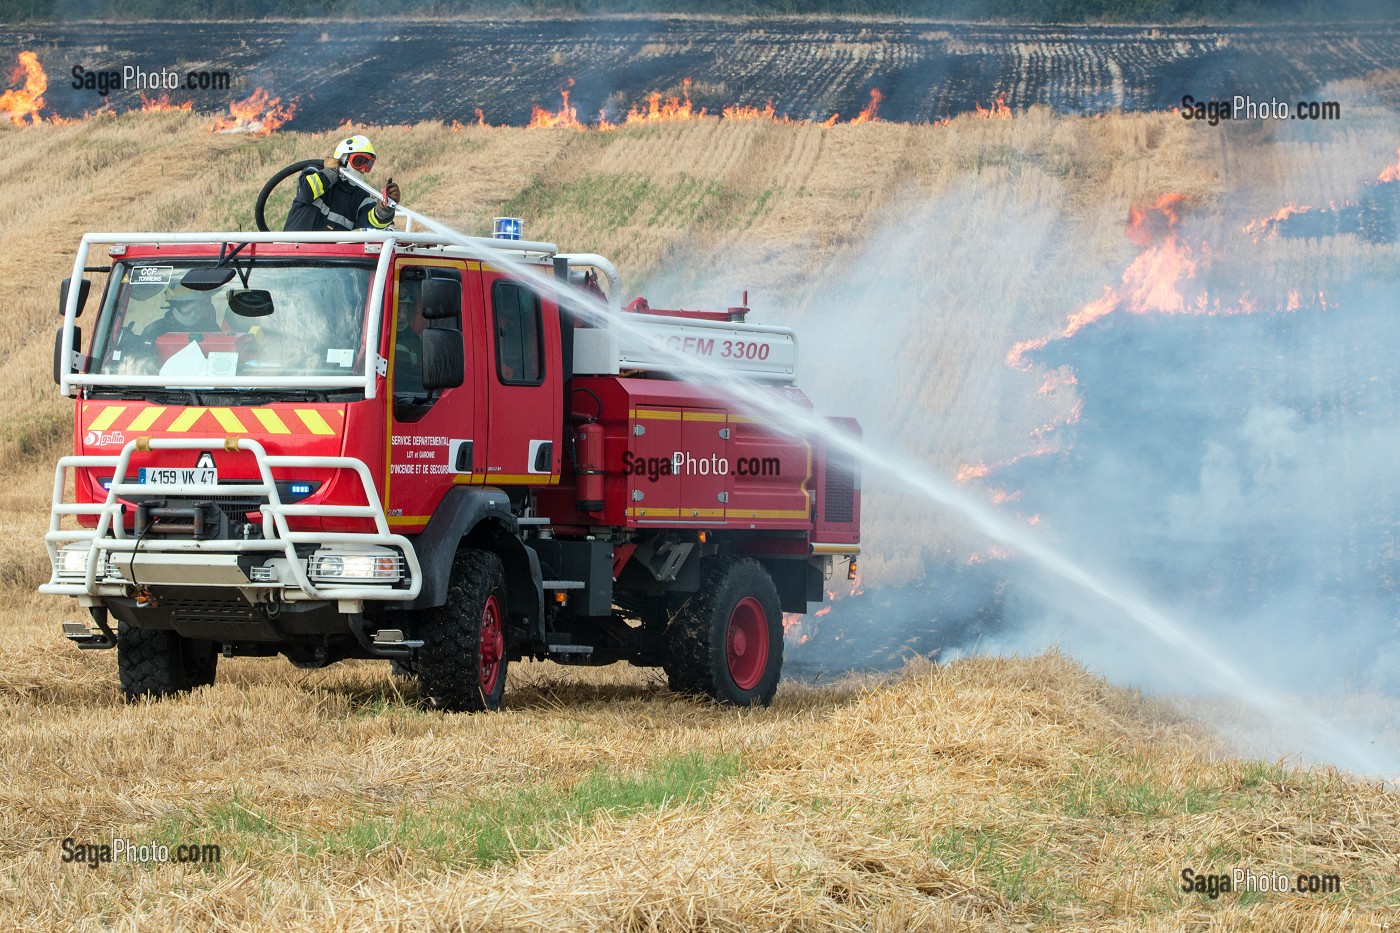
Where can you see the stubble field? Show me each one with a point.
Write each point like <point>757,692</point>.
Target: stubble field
<point>1001,793</point>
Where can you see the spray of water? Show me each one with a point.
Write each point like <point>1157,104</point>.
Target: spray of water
<point>1311,731</point>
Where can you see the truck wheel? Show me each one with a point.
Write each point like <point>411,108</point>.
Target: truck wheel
<point>462,664</point>
<point>157,663</point>
<point>726,640</point>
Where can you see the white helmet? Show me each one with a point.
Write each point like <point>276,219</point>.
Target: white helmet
<point>352,146</point>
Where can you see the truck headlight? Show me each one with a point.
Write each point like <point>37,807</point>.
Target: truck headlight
<point>355,565</point>
<point>73,559</point>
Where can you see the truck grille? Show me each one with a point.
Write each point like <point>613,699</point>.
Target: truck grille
<point>838,500</point>
<point>234,508</point>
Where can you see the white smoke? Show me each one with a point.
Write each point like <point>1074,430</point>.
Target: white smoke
<point>1238,470</point>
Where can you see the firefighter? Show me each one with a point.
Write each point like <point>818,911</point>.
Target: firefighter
<point>325,201</point>
<point>186,311</point>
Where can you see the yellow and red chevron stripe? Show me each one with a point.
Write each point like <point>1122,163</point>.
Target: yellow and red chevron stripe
<point>137,418</point>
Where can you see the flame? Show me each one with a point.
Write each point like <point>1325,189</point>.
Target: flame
<point>796,626</point>
<point>971,471</point>
<point>995,552</point>
<point>1266,228</point>
<point>742,112</point>
<point>1150,284</point>
<point>793,629</point>
<point>24,103</point>
<point>566,118</point>
<point>664,111</point>
<point>162,104</point>
<point>1056,380</point>
<point>1391,172</point>
<point>661,108</point>
<point>999,109</point>
<point>259,113</point>
<point>457,125</point>
<point>868,114</point>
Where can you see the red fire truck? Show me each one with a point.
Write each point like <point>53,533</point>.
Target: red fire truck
<point>397,445</point>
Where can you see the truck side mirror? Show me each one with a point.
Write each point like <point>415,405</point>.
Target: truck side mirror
<point>444,362</point>
<point>84,287</point>
<point>441,299</point>
<point>60,365</point>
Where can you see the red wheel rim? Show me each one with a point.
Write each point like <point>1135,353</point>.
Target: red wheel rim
<point>746,643</point>
<point>493,645</point>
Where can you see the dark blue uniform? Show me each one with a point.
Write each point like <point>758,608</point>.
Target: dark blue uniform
<point>324,202</point>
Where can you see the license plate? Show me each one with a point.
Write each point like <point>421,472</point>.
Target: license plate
<point>179,476</point>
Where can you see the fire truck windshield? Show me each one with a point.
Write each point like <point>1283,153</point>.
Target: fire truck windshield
<point>308,324</point>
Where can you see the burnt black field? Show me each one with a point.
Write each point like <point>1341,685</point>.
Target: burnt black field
<point>382,72</point>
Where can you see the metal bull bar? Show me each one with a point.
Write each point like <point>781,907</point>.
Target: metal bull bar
<point>278,538</point>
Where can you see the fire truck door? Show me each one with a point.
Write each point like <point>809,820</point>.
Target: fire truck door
<point>525,410</point>
<point>435,438</point>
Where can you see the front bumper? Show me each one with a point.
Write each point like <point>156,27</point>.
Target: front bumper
<point>275,567</point>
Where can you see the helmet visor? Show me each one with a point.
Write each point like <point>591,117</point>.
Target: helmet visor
<point>361,162</point>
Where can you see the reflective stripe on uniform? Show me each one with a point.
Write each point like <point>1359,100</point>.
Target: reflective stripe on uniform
<point>318,187</point>
<point>373,220</point>
<point>345,222</point>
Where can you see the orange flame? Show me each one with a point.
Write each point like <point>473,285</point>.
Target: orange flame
<point>24,103</point>
<point>1391,172</point>
<point>793,624</point>
<point>566,118</point>
<point>1266,228</point>
<point>1151,282</point>
<point>259,113</point>
<point>162,104</point>
<point>999,109</point>
<point>971,471</point>
<point>741,112</point>
<point>667,110</point>
<point>995,552</point>
<point>868,114</point>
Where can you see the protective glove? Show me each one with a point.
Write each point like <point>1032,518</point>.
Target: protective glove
<point>331,169</point>
<point>392,191</point>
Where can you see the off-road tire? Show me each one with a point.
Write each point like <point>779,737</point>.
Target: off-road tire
<point>726,639</point>
<point>157,663</point>
<point>453,672</point>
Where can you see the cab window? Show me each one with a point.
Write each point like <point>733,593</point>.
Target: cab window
<point>410,398</point>
<point>519,336</point>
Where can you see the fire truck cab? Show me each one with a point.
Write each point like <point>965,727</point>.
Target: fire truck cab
<point>404,446</point>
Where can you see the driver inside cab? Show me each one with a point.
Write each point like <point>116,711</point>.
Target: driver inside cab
<point>186,311</point>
